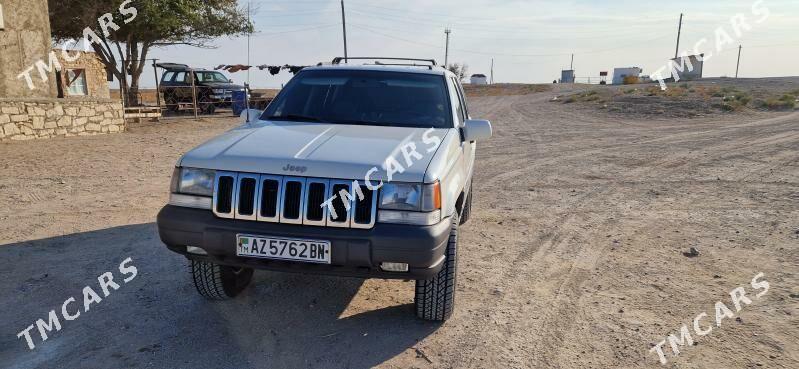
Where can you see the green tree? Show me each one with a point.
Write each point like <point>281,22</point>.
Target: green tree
<point>459,70</point>
<point>123,47</point>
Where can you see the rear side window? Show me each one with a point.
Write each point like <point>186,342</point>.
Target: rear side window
<point>180,77</point>
<point>365,97</point>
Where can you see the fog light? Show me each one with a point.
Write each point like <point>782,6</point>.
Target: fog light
<point>195,250</point>
<point>394,267</point>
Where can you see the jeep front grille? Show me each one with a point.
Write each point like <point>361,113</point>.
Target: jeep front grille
<point>292,200</point>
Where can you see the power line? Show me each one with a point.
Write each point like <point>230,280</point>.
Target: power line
<point>261,35</point>
<point>429,30</point>
<point>485,28</point>
<point>492,53</point>
<point>298,14</point>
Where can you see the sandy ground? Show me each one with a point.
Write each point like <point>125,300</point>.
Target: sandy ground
<point>573,257</point>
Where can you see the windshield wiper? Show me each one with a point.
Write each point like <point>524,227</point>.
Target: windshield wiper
<point>295,118</point>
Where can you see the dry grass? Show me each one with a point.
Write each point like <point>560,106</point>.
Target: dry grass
<point>505,89</point>
<point>686,99</point>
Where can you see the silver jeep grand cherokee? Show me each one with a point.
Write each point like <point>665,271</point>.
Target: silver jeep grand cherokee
<point>353,170</point>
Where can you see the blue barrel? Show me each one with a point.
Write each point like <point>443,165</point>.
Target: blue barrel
<point>239,102</point>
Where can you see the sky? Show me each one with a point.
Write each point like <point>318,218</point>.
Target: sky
<point>529,41</point>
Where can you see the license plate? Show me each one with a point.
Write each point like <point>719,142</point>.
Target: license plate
<point>309,251</point>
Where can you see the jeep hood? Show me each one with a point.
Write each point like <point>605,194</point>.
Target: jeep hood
<point>317,150</point>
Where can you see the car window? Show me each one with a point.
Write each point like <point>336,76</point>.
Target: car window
<point>462,95</point>
<point>167,77</point>
<point>458,102</point>
<point>211,77</point>
<point>364,97</point>
<point>180,77</point>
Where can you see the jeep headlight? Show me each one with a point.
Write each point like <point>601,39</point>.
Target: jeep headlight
<point>219,92</point>
<point>410,203</point>
<point>192,181</point>
<point>403,196</point>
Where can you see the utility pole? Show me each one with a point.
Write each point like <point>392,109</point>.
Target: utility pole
<point>738,66</point>
<point>571,68</point>
<point>492,71</point>
<point>446,50</point>
<point>248,43</point>
<point>157,84</point>
<point>679,33</point>
<point>344,28</point>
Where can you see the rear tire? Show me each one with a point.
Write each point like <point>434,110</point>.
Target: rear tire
<point>435,297</point>
<point>218,282</point>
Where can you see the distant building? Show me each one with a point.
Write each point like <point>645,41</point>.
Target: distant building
<point>688,68</point>
<point>479,79</point>
<point>33,108</point>
<point>567,76</point>
<point>622,76</point>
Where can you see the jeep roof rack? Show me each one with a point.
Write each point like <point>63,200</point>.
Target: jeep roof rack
<point>173,66</point>
<point>337,61</point>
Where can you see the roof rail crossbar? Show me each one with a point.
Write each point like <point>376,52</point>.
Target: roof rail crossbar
<point>338,59</point>
<point>402,65</point>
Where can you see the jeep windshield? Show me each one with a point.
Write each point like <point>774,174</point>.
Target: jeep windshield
<point>365,98</point>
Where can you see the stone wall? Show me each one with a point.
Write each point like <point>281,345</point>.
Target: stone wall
<point>42,118</point>
<point>24,41</point>
<point>96,76</point>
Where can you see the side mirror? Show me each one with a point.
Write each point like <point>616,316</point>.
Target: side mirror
<point>477,129</point>
<point>250,115</point>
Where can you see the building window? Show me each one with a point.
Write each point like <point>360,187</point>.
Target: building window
<point>76,82</point>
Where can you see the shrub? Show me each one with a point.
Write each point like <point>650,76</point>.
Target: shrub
<point>631,80</point>
<point>786,102</point>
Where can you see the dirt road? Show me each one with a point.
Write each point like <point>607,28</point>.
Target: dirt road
<point>573,257</point>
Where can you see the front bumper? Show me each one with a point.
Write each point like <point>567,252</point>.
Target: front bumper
<point>354,252</point>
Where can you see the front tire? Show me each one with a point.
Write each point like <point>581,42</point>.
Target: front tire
<point>218,282</point>
<point>435,297</point>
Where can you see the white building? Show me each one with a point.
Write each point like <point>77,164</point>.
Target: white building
<point>688,68</point>
<point>619,74</point>
<point>479,79</point>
